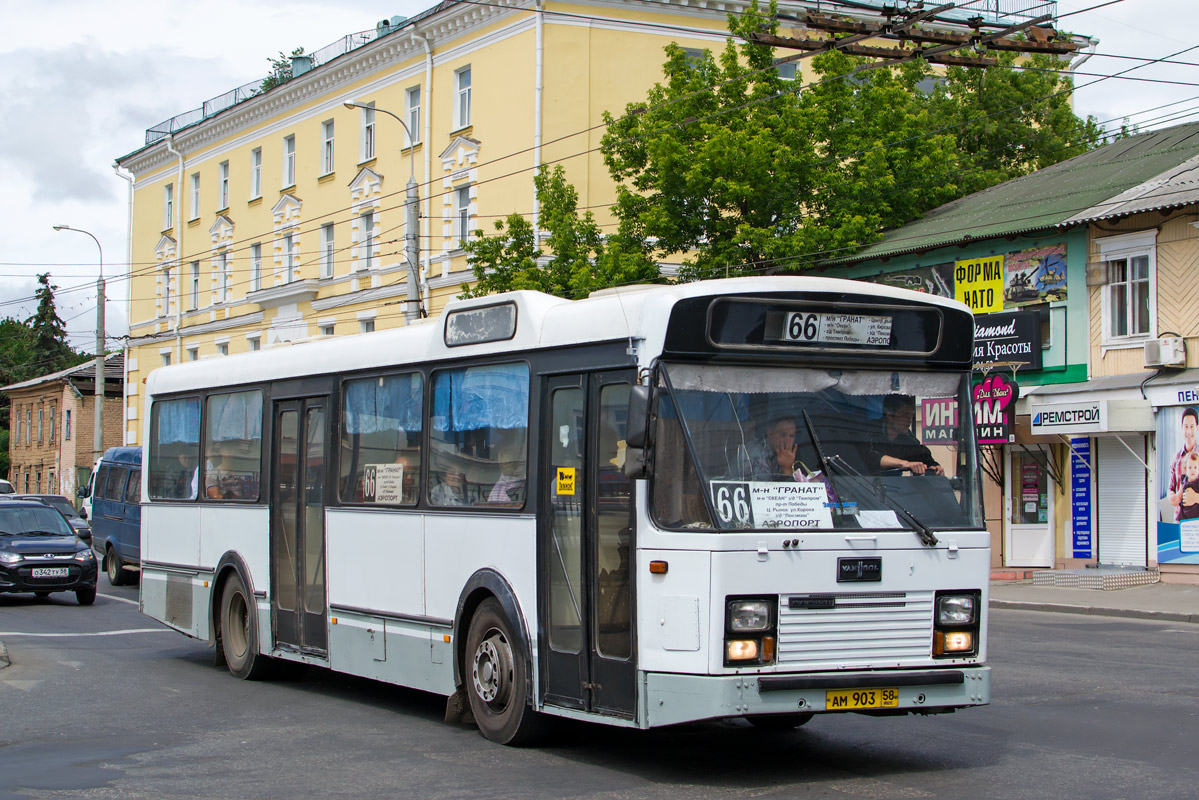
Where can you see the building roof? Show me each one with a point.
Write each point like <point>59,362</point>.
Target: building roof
<point>114,369</point>
<point>1149,171</point>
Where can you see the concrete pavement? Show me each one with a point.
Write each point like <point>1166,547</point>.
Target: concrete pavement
<point>1158,601</point>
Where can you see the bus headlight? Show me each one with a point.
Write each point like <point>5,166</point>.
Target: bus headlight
<point>749,615</point>
<point>749,631</point>
<point>956,609</point>
<point>956,624</point>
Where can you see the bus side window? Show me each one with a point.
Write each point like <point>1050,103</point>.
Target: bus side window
<point>381,439</point>
<point>480,427</point>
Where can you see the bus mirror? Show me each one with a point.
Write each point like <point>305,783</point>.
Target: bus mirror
<point>634,463</point>
<point>638,420</point>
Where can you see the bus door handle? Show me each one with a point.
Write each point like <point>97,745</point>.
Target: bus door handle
<point>861,539</point>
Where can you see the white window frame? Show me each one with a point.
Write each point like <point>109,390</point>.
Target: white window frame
<point>325,330</point>
<point>256,173</point>
<point>195,196</point>
<point>327,150</point>
<point>255,266</point>
<point>412,115</point>
<point>193,353</point>
<point>223,186</point>
<point>195,292</point>
<point>168,206</point>
<point>222,348</point>
<point>254,341</point>
<point>289,160</point>
<point>166,291</point>
<point>462,215</point>
<point>327,250</point>
<point>223,262</point>
<point>166,358</point>
<point>366,229</point>
<point>368,144</point>
<point>462,98</point>
<point>289,252</point>
<point>1126,248</point>
<point>366,325</point>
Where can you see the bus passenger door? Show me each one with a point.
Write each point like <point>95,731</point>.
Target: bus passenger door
<point>298,460</point>
<point>587,546</point>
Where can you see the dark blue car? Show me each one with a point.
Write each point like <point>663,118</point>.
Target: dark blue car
<point>117,513</point>
<point>40,553</point>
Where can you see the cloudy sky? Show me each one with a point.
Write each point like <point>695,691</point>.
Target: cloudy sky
<point>80,81</point>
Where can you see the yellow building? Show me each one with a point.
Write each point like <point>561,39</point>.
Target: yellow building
<point>268,217</point>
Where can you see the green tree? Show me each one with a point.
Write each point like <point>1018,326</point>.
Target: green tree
<point>51,349</point>
<point>579,258</point>
<point>735,166</point>
<point>280,70</point>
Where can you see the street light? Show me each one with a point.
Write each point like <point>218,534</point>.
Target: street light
<point>98,416</point>
<point>411,214</point>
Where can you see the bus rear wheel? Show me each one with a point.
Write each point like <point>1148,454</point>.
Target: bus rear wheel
<point>497,678</point>
<point>239,632</point>
<point>779,722</point>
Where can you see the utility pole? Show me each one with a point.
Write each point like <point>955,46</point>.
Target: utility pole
<point>98,416</point>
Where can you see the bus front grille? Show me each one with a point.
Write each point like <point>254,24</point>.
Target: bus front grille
<point>838,630</point>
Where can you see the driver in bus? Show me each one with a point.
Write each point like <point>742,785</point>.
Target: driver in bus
<point>776,458</point>
<point>894,448</point>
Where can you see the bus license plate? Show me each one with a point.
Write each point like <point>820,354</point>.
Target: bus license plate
<point>849,699</point>
<point>49,572</point>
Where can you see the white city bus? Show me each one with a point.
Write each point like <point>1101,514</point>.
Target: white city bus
<point>652,506</point>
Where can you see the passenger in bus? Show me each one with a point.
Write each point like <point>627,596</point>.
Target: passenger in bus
<point>777,457</point>
<point>183,481</point>
<point>450,490</point>
<point>509,488</point>
<point>893,448</point>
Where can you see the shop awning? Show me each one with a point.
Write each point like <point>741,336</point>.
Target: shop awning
<point>1113,404</point>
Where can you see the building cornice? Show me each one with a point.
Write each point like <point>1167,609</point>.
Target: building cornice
<point>253,318</point>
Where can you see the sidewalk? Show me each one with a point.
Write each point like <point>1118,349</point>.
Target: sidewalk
<point>1158,601</point>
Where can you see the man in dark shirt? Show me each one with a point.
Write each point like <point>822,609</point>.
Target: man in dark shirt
<point>894,446</point>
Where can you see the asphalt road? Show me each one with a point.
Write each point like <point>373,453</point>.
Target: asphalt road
<point>1082,707</point>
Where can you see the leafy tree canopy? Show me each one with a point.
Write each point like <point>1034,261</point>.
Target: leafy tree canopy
<point>745,171</point>
<point>579,261</point>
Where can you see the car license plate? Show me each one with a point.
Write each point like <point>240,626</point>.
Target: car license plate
<point>850,699</point>
<point>49,572</point>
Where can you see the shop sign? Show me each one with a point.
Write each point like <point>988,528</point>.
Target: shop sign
<point>940,417</point>
<point>1057,418</point>
<point>994,409</point>
<point>1014,336</point>
<point>978,282</point>
<point>1178,485</point>
<point>1080,495</point>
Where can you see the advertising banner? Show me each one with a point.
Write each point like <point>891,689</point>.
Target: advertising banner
<point>1010,337</point>
<point>1080,495</point>
<point>978,282</point>
<point>936,280</point>
<point>1036,275</point>
<point>1177,485</point>
<point>1054,418</point>
<point>940,416</point>
<point>994,402</point>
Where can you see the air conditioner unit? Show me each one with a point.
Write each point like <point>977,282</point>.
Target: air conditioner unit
<point>1166,351</point>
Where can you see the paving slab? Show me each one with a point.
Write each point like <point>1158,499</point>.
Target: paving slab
<point>1160,601</point>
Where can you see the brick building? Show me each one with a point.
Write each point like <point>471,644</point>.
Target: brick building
<point>51,426</point>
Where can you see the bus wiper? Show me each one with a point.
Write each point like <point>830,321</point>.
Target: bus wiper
<point>816,443</point>
<point>923,531</point>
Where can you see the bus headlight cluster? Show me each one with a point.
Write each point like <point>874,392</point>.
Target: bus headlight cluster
<point>955,628</point>
<point>749,631</point>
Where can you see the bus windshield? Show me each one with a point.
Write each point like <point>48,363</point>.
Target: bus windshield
<point>786,448</point>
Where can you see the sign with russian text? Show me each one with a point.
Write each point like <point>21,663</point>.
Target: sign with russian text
<point>994,401</point>
<point>1080,495</point>
<point>1013,337</point>
<point>763,504</point>
<point>1057,418</point>
<point>383,483</point>
<point>978,282</point>
<point>940,418</point>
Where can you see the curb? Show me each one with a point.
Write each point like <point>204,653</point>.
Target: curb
<point>4,662</point>
<point>1060,608</point>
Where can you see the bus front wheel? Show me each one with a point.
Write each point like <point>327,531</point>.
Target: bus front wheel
<point>239,632</point>
<point>497,679</point>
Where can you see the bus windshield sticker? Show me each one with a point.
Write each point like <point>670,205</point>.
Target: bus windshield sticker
<point>765,504</point>
<point>566,480</point>
<point>813,327</point>
<point>383,483</point>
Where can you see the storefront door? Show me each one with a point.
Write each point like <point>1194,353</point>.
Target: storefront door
<point>1028,524</point>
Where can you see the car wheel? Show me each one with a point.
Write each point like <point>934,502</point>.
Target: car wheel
<point>239,632</point>
<point>86,595</point>
<point>115,568</point>
<point>497,679</point>
<point>779,722</point>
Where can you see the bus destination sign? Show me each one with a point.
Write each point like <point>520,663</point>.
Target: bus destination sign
<point>819,327</point>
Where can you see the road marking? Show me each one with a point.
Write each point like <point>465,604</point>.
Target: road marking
<point>122,599</point>
<point>9,634</point>
<point>24,686</point>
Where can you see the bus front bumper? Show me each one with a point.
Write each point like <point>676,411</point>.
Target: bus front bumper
<point>671,699</point>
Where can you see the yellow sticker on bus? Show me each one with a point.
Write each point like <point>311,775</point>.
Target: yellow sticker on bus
<point>566,480</point>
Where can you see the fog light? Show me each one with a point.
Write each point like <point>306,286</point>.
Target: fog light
<point>952,642</point>
<point>741,650</point>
